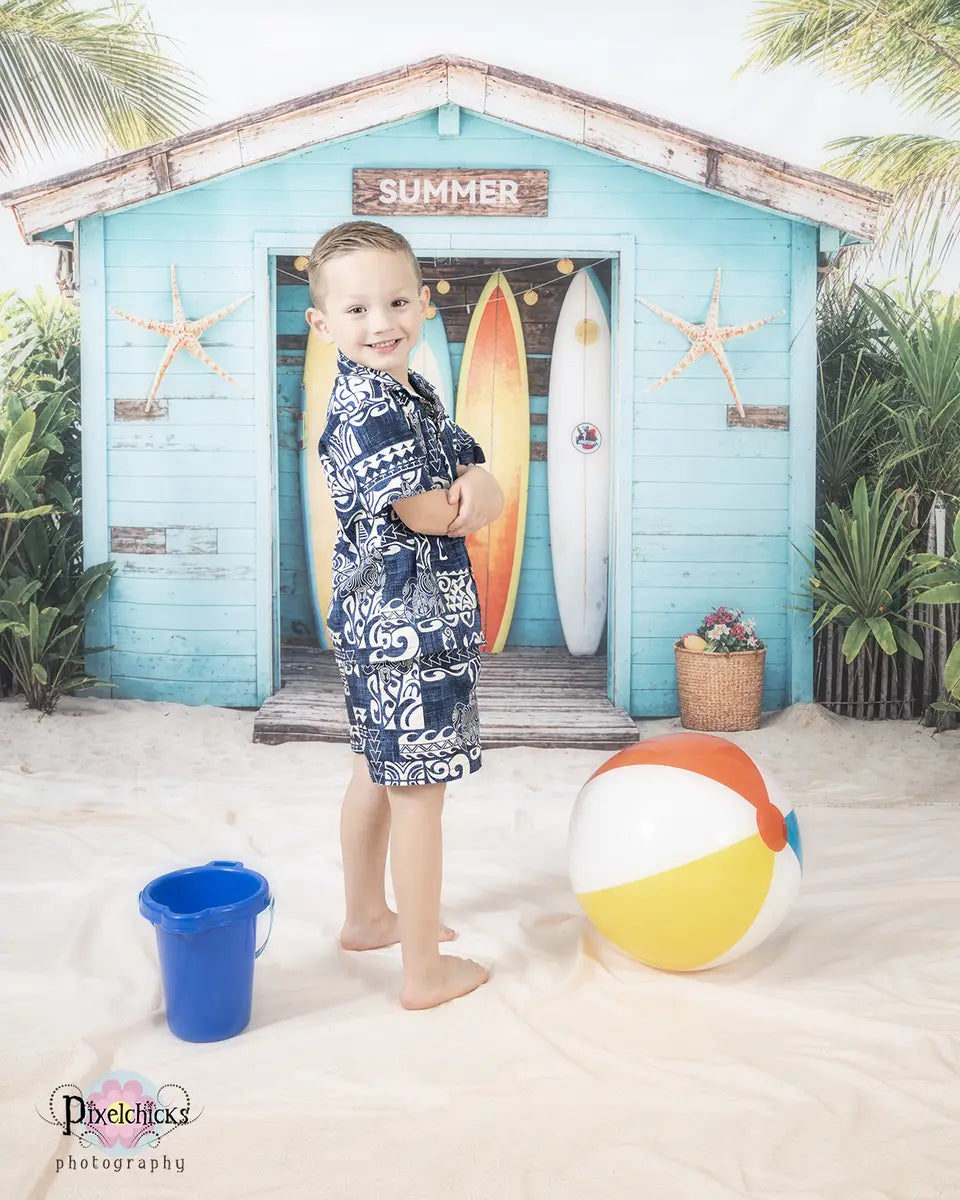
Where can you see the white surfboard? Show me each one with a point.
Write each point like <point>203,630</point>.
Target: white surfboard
<point>578,461</point>
<point>431,359</point>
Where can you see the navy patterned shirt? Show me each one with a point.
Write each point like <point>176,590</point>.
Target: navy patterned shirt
<point>397,594</point>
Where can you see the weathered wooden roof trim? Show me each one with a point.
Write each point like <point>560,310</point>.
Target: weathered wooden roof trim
<point>522,100</point>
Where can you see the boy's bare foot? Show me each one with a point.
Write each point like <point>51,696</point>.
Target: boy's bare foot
<point>454,977</point>
<point>382,931</point>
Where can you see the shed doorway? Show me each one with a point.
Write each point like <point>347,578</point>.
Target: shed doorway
<point>534,643</point>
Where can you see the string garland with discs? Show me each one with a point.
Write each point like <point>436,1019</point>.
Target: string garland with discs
<point>530,297</point>
<point>707,338</point>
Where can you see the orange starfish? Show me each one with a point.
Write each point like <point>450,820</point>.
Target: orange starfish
<point>707,339</point>
<point>182,333</point>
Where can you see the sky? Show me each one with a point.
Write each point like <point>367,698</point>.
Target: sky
<point>670,60</point>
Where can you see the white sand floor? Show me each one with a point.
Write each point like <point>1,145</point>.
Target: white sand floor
<point>825,1065</point>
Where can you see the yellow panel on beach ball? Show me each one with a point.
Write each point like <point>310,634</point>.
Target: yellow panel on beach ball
<point>681,919</point>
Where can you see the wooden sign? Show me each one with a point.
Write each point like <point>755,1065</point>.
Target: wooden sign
<point>450,193</point>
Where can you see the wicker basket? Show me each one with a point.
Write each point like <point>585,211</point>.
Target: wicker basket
<point>720,692</point>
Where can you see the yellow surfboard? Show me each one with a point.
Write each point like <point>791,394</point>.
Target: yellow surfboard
<point>319,515</point>
<point>493,405</point>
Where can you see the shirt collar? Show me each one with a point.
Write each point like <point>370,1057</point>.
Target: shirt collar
<point>426,390</point>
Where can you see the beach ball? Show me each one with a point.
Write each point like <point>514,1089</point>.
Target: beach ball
<point>683,853</point>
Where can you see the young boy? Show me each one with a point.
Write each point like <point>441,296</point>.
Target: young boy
<point>404,621</point>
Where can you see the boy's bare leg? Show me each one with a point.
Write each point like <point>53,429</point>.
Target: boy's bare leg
<point>364,834</point>
<point>416,864</point>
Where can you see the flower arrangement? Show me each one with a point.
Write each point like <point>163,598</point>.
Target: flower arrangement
<point>723,631</point>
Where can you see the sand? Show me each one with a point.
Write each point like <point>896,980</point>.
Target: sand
<point>823,1065</point>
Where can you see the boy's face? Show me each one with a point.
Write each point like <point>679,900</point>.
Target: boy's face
<point>371,297</point>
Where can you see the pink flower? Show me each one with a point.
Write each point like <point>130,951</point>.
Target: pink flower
<point>120,1113</point>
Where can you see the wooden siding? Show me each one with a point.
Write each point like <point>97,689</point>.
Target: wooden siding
<point>711,504</point>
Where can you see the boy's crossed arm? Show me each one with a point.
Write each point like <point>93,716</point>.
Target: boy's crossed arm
<point>471,502</point>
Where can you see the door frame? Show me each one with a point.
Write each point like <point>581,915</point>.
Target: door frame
<point>426,240</point>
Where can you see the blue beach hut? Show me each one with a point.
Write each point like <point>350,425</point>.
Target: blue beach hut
<point>195,493</point>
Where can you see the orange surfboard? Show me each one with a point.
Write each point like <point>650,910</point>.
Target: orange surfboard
<point>493,405</point>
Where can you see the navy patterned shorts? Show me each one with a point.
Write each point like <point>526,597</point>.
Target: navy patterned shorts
<point>415,721</point>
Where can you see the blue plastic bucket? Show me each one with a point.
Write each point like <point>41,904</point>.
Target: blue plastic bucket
<point>205,918</point>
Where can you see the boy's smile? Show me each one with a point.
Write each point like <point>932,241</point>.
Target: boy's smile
<point>372,309</point>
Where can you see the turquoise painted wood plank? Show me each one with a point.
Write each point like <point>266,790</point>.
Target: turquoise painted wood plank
<point>680,285</point>
<point>537,582</point>
<point>653,363</point>
<point>767,340</point>
<point>655,597</point>
<point>707,523</point>
<point>664,702</point>
<point>291,531</point>
<point>718,496</point>
<point>288,507</point>
<point>221,280</point>
<point>703,412</point>
<point>711,470</point>
<point>93,375</point>
<point>720,548</point>
<point>662,673</point>
<point>229,516</point>
<point>136,386</point>
<point>662,678</point>
<point>686,619</point>
<point>267,665</point>
<point>656,676</point>
<point>164,438</point>
<point>535,632</point>
<point>622,462</point>
<point>220,567</point>
<point>742,444</point>
<point>198,389</point>
<point>708,393</point>
<point>199,668</point>
<point>156,301</point>
<point>233,410</point>
<point>163,616</point>
<point>157,253</point>
<point>222,695</point>
<point>136,640</point>
<point>727,576</point>
<point>126,230</point>
<point>232,330</point>
<point>192,466</point>
<point>164,489</point>
<point>235,360</point>
<point>803,389</point>
<point>130,589</point>
<point>236,541</point>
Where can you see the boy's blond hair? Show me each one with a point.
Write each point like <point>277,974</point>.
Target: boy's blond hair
<point>355,235</point>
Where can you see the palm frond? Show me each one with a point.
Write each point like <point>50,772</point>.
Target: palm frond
<point>79,76</point>
<point>923,174</point>
<point>914,49</point>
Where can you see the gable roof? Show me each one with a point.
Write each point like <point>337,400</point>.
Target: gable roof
<point>521,100</point>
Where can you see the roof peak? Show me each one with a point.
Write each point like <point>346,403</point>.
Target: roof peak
<point>527,101</point>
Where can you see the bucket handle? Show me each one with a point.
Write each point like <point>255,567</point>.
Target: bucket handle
<point>269,931</point>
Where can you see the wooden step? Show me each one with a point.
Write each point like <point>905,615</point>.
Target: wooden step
<point>527,696</point>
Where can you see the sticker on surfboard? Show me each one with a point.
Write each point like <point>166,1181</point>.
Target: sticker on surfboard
<point>586,438</point>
